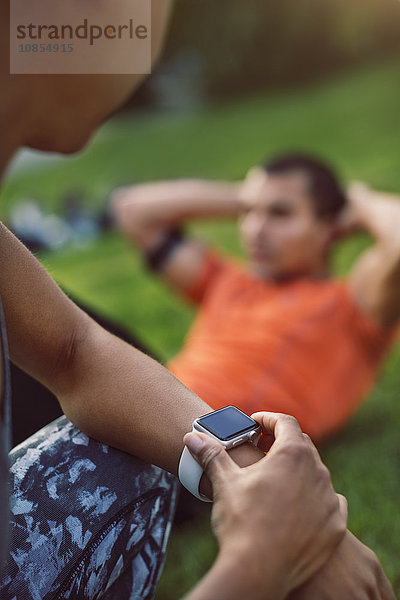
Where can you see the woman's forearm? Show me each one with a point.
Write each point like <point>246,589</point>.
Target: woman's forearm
<point>232,578</point>
<point>120,396</point>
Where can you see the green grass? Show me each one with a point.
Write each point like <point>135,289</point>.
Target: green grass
<point>351,121</point>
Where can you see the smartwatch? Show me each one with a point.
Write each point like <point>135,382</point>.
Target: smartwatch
<point>231,427</point>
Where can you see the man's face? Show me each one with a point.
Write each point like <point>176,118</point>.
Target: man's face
<point>280,232</point>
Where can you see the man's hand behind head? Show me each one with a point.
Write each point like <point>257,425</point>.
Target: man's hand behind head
<point>349,221</point>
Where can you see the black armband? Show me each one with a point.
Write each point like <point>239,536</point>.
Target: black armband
<point>158,255</point>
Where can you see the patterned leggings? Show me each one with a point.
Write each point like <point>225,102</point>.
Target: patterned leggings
<point>87,521</point>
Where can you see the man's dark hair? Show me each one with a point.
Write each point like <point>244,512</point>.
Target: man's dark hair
<point>327,195</point>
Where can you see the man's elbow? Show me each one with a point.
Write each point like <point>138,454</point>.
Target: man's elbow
<point>121,208</point>
<point>127,215</point>
<point>141,229</point>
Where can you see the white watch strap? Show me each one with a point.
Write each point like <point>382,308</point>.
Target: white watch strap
<point>190,473</point>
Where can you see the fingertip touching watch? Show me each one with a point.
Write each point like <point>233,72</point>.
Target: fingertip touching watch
<point>231,427</point>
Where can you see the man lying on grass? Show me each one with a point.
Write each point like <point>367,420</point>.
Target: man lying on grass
<point>278,332</point>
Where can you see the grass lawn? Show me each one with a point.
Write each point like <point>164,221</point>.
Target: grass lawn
<point>351,121</point>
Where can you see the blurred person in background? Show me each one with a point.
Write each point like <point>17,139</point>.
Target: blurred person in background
<point>89,521</point>
<point>278,332</point>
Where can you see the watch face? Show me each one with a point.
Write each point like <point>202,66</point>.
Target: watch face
<point>227,423</point>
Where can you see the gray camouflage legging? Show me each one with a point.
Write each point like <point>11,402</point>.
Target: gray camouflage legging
<point>87,521</point>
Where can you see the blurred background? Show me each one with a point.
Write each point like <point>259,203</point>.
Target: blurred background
<point>238,81</point>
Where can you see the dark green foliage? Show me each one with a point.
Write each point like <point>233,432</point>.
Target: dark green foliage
<point>255,44</point>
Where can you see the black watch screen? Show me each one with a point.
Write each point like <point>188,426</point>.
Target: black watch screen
<point>227,423</point>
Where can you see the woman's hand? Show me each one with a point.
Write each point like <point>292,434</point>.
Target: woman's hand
<point>280,518</point>
<point>352,573</point>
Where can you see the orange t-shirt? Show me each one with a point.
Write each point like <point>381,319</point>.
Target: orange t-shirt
<point>302,347</point>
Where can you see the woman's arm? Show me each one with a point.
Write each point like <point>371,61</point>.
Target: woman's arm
<point>109,389</point>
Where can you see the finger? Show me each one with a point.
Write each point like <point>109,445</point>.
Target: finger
<point>211,455</point>
<point>282,427</point>
<point>343,506</point>
<point>311,444</point>
<point>385,588</point>
<point>265,442</point>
